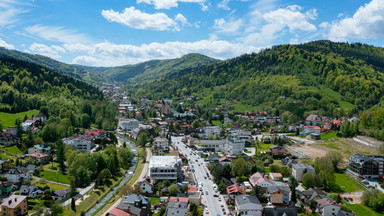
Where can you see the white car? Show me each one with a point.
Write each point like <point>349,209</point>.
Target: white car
<point>222,204</point>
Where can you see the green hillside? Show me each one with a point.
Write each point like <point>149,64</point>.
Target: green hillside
<point>54,65</point>
<point>153,69</point>
<point>321,76</point>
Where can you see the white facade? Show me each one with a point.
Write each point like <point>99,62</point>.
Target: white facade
<point>213,145</point>
<point>160,144</point>
<point>165,167</point>
<point>234,146</point>
<point>128,124</point>
<point>298,170</point>
<point>79,143</point>
<point>15,175</point>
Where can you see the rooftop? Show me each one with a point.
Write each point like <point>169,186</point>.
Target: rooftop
<point>164,161</point>
<point>13,201</point>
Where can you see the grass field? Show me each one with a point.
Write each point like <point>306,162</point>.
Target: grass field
<point>347,184</point>
<point>56,176</point>
<point>53,186</point>
<point>216,122</point>
<point>242,108</point>
<point>327,136</point>
<point>8,119</point>
<point>362,210</point>
<point>155,200</point>
<point>13,150</point>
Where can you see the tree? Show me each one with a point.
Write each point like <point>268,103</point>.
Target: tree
<point>222,187</point>
<point>73,205</point>
<point>56,209</point>
<point>292,186</point>
<point>72,184</point>
<point>125,157</point>
<point>309,180</point>
<point>240,168</point>
<point>1,127</point>
<point>60,154</point>
<point>82,176</point>
<point>217,175</point>
<point>85,121</point>
<point>173,190</point>
<point>335,158</point>
<point>143,139</point>
<point>196,124</point>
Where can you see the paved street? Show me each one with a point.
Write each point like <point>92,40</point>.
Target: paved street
<point>213,204</point>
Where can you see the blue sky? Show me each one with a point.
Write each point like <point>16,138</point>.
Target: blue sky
<point>120,32</point>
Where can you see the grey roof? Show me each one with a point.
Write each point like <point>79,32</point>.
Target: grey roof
<point>213,157</point>
<point>130,200</point>
<point>275,188</point>
<point>302,166</point>
<point>344,213</point>
<point>177,208</point>
<point>31,167</point>
<point>245,201</point>
<point>64,192</point>
<point>273,211</point>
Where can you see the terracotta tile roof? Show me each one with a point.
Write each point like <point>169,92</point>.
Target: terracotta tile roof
<point>118,212</point>
<point>235,189</point>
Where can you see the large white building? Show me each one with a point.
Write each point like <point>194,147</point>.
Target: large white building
<point>128,124</point>
<point>165,168</point>
<point>160,145</point>
<point>80,142</point>
<point>299,168</point>
<point>211,145</point>
<point>234,146</point>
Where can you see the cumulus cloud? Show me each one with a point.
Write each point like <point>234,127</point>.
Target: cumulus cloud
<point>6,45</point>
<point>139,20</point>
<point>366,23</point>
<point>50,51</point>
<point>110,54</point>
<point>56,34</point>
<point>231,26</point>
<point>167,4</point>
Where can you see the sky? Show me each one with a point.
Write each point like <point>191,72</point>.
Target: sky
<point>121,32</point>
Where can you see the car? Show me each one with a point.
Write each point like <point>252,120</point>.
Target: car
<point>206,192</point>
<point>196,160</point>
<point>346,199</point>
<point>350,198</point>
<point>202,192</point>
<point>215,195</point>
<point>222,204</point>
<point>205,177</point>
<point>371,186</point>
<point>219,198</point>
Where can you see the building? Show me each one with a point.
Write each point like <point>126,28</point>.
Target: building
<point>128,124</point>
<point>30,191</point>
<point>160,145</point>
<point>18,174</point>
<point>235,189</point>
<point>260,180</point>
<point>278,151</point>
<point>312,194</point>
<point>146,185</point>
<point>211,145</point>
<point>278,194</point>
<point>275,176</point>
<point>177,208</point>
<point>5,188</point>
<point>40,149</point>
<point>327,207</point>
<point>11,130</point>
<point>299,169</point>
<point>165,168</point>
<point>5,165</point>
<point>80,142</point>
<point>211,131</point>
<point>40,157</point>
<point>225,161</point>
<point>14,205</point>
<point>313,120</point>
<point>270,210</point>
<point>366,166</point>
<point>136,205</point>
<point>62,195</point>
<point>234,146</point>
<point>98,134</point>
<point>248,205</point>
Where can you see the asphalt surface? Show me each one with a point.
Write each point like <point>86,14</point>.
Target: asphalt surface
<point>127,176</point>
<point>213,205</point>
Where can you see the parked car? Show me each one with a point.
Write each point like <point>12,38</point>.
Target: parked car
<point>350,198</point>
<point>215,195</point>
<point>346,199</point>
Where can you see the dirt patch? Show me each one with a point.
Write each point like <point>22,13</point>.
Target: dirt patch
<point>312,150</point>
<point>355,196</point>
<point>78,201</point>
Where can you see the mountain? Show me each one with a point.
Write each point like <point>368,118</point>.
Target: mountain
<point>54,65</point>
<point>153,69</point>
<point>318,77</point>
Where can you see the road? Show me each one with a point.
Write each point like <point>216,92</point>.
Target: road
<point>127,176</point>
<point>212,203</point>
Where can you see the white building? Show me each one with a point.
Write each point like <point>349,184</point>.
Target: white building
<point>128,124</point>
<point>160,145</point>
<point>327,207</point>
<point>211,145</point>
<point>80,142</point>
<point>211,131</point>
<point>18,174</point>
<point>299,168</point>
<point>248,205</point>
<point>234,146</point>
<point>146,185</point>
<point>165,167</point>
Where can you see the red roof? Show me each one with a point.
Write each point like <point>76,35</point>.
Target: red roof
<point>179,199</point>
<point>225,159</point>
<point>316,128</point>
<point>279,151</point>
<point>118,212</point>
<point>38,155</point>
<point>192,189</point>
<point>327,123</point>
<point>338,122</point>
<point>235,189</point>
<point>94,132</point>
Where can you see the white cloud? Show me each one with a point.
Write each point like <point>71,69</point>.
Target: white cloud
<point>224,5</point>
<point>231,26</point>
<point>6,45</point>
<point>50,51</point>
<point>110,54</point>
<point>9,11</point>
<point>57,34</point>
<point>180,18</point>
<point>167,4</point>
<point>139,20</point>
<point>367,22</point>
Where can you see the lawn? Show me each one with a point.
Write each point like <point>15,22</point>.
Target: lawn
<point>347,184</point>
<point>362,210</point>
<point>155,200</point>
<point>53,186</point>
<point>8,119</point>
<point>56,176</point>
<point>216,122</point>
<point>264,147</point>
<point>242,108</point>
<point>327,136</point>
<point>13,150</point>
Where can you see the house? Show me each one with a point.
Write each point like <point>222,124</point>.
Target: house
<point>61,195</point>
<point>278,151</point>
<point>288,161</point>
<point>278,194</point>
<point>366,166</point>
<point>128,124</point>
<point>327,126</point>
<point>18,174</point>
<point>41,117</point>
<point>235,190</point>
<point>299,169</point>
<point>275,176</point>
<point>118,212</point>
<point>11,130</point>
<point>354,119</point>
<point>260,180</point>
<point>308,130</point>
<point>80,142</point>
<point>270,210</point>
<point>313,120</point>
<point>211,131</point>
<point>6,138</point>
<point>147,184</point>
<point>177,208</point>
<point>28,124</point>
<point>337,123</point>
<point>5,165</point>
<point>165,168</point>
<point>312,194</point>
<point>136,204</point>
<point>327,207</point>
<point>14,205</point>
<point>45,149</point>
<point>225,161</point>
<point>248,205</point>
<point>40,157</point>
<point>214,158</point>
<point>315,136</point>
<point>160,145</point>
<point>5,188</point>
<point>210,145</point>
<point>194,197</point>
<point>344,213</point>
<point>98,134</point>
<point>30,191</point>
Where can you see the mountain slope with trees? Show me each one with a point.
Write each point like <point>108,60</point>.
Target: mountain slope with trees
<point>321,76</point>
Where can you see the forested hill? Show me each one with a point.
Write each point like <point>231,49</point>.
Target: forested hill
<point>54,65</point>
<point>153,69</point>
<point>318,76</point>
<point>25,86</point>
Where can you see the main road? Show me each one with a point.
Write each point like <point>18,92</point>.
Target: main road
<point>213,205</point>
